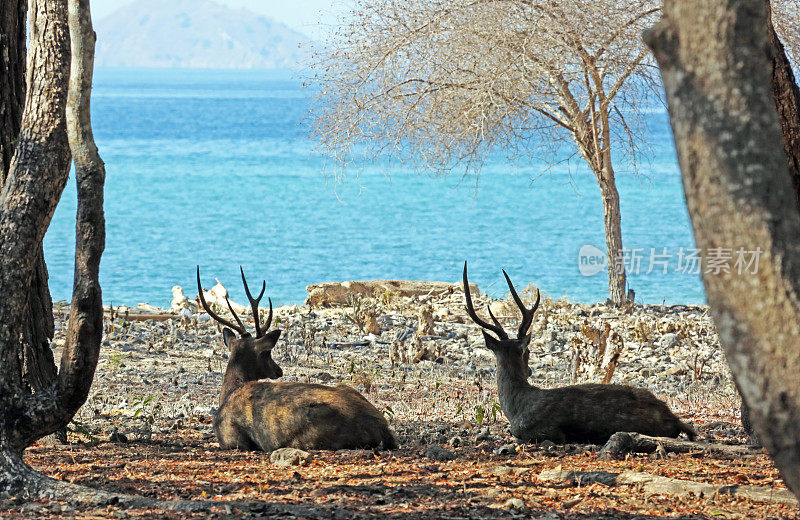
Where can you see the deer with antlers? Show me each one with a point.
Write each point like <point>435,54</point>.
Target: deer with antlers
<point>588,413</point>
<point>255,414</point>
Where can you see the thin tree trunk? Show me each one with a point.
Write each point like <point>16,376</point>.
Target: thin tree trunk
<point>613,229</point>
<point>740,193</point>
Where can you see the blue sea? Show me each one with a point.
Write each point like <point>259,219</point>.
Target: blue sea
<point>213,168</point>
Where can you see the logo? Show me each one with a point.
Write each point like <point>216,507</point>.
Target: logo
<point>591,260</point>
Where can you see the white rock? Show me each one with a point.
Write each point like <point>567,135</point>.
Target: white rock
<point>289,457</point>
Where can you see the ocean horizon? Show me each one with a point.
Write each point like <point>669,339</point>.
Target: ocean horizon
<point>213,168</point>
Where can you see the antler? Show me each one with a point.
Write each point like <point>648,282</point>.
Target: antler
<point>240,329</point>
<point>527,314</point>
<point>254,305</point>
<point>496,328</point>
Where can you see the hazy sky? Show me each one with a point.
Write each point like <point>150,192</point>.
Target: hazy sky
<point>311,17</point>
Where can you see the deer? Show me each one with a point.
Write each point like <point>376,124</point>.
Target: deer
<point>584,413</point>
<point>255,414</point>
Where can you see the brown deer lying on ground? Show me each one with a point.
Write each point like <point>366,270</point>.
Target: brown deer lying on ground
<point>588,413</point>
<point>263,415</point>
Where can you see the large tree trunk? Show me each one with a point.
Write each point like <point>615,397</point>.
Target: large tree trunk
<point>787,103</point>
<point>740,193</point>
<point>27,202</point>
<point>37,364</point>
<point>613,227</point>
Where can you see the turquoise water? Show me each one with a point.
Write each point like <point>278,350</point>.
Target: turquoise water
<point>213,168</point>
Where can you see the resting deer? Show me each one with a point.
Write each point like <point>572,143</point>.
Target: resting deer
<point>578,413</point>
<point>263,415</point>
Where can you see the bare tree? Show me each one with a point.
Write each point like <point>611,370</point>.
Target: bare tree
<point>722,97</point>
<point>55,125</point>
<point>442,83</point>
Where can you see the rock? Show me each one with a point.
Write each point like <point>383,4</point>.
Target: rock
<point>203,318</point>
<point>204,411</point>
<point>547,445</point>
<point>324,377</point>
<point>372,327</point>
<point>337,293</point>
<point>180,302</point>
<point>425,321</point>
<point>676,370</point>
<point>117,437</point>
<point>289,457</point>
<point>498,308</point>
<point>403,334</point>
<point>515,504</point>
<point>455,442</point>
<point>668,341</point>
<point>508,470</point>
<point>506,449</point>
<point>438,453</point>
<point>484,435</point>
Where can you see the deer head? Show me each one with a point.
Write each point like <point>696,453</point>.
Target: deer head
<point>513,350</point>
<point>250,357</point>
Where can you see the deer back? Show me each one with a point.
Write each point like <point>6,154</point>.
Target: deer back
<point>265,415</point>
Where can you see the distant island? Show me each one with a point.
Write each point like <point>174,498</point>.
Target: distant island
<point>195,34</point>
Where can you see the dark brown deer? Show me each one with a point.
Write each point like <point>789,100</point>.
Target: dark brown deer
<point>588,413</point>
<point>264,415</point>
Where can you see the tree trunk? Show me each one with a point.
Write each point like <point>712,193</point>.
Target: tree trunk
<point>787,102</point>
<point>740,193</point>
<point>613,228</point>
<point>37,364</point>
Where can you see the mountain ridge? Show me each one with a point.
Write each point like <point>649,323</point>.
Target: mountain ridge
<point>195,34</point>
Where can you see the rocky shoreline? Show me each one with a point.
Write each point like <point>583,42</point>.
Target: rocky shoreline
<point>417,357</point>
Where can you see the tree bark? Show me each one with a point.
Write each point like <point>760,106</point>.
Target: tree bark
<point>612,219</point>
<point>29,197</point>
<point>37,364</point>
<point>740,193</point>
<point>787,103</point>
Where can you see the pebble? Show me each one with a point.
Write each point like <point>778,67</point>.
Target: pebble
<point>506,449</point>
<point>117,437</point>
<point>515,504</point>
<point>289,457</point>
<point>438,453</point>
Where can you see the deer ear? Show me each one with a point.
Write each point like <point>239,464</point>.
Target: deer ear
<point>491,341</point>
<point>227,336</point>
<point>267,341</point>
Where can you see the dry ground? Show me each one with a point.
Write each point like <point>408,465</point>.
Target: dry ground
<point>157,385</point>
